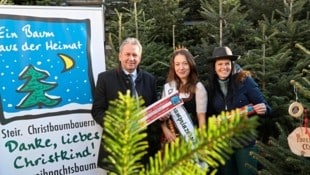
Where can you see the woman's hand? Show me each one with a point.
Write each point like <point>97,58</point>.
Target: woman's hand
<point>164,118</point>
<point>260,108</point>
<point>169,135</point>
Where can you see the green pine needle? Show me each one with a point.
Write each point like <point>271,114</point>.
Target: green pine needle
<point>125,141</point>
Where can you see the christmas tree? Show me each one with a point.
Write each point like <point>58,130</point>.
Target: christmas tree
<point>276,156</point>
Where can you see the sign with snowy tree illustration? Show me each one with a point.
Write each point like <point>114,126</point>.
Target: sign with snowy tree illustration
<point>49,61</point>
<point>55,70</point>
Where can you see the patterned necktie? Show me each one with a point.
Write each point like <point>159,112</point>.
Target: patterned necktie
<point>133,87</point>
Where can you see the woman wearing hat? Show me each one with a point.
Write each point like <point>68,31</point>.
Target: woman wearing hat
<point>229,89</point>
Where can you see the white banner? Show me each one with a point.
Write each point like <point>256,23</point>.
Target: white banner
<point>49,61</point>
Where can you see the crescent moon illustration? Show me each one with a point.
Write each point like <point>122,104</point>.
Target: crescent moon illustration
<point>68,62</point>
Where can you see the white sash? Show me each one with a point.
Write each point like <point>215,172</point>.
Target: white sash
<point>183,121</point>
<point>180,116</point>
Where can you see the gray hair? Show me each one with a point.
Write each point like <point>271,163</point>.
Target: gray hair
<point>133,41</point>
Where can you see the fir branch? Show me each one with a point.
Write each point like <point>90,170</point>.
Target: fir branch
<point>124,140</point>
<point>276,157</point>
<point>212,147</point>
<point>121,137</point>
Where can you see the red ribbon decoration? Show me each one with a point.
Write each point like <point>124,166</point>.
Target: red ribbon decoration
<point>306,121</point>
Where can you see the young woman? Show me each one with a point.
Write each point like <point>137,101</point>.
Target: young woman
<point>183,77</point>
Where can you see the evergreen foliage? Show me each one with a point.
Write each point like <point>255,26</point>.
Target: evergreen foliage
<point>123,136</point>
<point>166,15</point>
<point>6,2</point>
<point>256,9</point>
<point>124,140</point>
<point>156,49</point>
<point>276,156</point>
<point>302,81</point>
<point>275,60</point>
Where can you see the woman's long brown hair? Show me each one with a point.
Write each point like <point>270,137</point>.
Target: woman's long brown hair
<point>190,86</point>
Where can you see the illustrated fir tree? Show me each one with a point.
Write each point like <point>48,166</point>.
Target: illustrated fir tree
<point>36,89</point>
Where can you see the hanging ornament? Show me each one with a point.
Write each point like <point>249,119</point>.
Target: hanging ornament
<point>296,109</point>
<point>299,142</point>
<point>299,139</point>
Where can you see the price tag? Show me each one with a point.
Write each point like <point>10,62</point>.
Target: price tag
<point>299,141</point>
